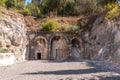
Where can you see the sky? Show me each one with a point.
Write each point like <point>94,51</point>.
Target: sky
<point>118,2</point>
<point>27,1</point>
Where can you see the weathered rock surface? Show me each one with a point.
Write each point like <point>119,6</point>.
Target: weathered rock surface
<point>13,33</point>
<point>103,42</point>
<point>7,59</point>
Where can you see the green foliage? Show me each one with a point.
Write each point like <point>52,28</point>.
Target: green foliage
<point>50,6</point>
<point>0,13</point>
<point>2,3</point>
<point>113,11</point>
<point>103,3</point>
<point>50,26</point>
<point>2,50</point>
<point>63,7</point>
<point>58,7</point>
<point>69,8</point>
<point>73,28</point>
<point>72,7</point>
<point>15,4</point>
<point>26,11</point>
<point>85,7</point>
<point>32,9</point>
<point>10,3</point>
<point>20,5</point>
<point>38,12</point>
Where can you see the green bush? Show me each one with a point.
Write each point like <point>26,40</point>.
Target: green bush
<point>73,27</point>
<point>50,26</point>
<point>2,3</point>
<point>2,50</point>
<point>36,11</point>
<point>27,11</point>
<point>113,11</point>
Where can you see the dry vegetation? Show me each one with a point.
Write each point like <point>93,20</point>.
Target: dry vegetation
<point>35,24</point>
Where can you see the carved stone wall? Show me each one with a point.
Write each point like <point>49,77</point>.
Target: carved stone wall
<point>56,46</point>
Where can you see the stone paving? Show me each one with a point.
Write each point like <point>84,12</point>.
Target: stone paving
<point>56,70</point>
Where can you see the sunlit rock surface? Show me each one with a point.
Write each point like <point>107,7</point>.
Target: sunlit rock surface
<point>7,59</point>
<point>103,42</point>
<point>13,33</point>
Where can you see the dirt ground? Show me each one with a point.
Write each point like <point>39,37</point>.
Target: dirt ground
<point>59,70</point>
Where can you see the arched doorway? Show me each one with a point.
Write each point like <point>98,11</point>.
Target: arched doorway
<point>75,48</point>
<point>58,48</point>
<point>41,48</point>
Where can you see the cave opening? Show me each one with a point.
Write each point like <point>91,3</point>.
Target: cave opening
<point>39,56</point>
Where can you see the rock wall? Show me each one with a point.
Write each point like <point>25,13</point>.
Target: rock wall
<point>103,42</point>
<point>57,45</point>
<point>59,48</point>
<point>7,59</point>
<point>13,33</point>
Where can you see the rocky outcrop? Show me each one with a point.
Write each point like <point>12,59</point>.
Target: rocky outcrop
<point>103,42</point>
<point>13,33</point>
<point>7,59</point>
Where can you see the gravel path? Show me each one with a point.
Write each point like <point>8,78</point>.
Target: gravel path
<point>51,70</point>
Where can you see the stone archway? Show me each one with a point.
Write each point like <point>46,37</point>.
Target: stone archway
<point>41,48</point>
<point>75,48</point>
<point>58,48</point>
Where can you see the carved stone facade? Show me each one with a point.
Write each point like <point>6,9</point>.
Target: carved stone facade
<point>55,46</point>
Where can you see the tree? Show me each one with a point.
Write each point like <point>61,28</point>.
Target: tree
<point>65,7</point>
<point>17,4</point>
<point>50,6</point>
<point>32,9</point>
<point>20,4</point>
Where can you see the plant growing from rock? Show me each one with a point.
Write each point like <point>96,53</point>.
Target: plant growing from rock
<point>50,26</point>
<point>73,28</point>
<point>2,50</point>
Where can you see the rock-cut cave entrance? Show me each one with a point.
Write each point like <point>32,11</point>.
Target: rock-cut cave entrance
<point>75,48</point>
<point>41,48</point>
<point>58,48</point>
<point>38,56</point>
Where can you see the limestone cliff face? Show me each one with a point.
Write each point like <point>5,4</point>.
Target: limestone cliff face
<point>103,42</point>
<point>13,33</point>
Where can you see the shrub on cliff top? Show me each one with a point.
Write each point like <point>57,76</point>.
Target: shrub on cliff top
<point>50,26</point>
<point>73,27</point>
